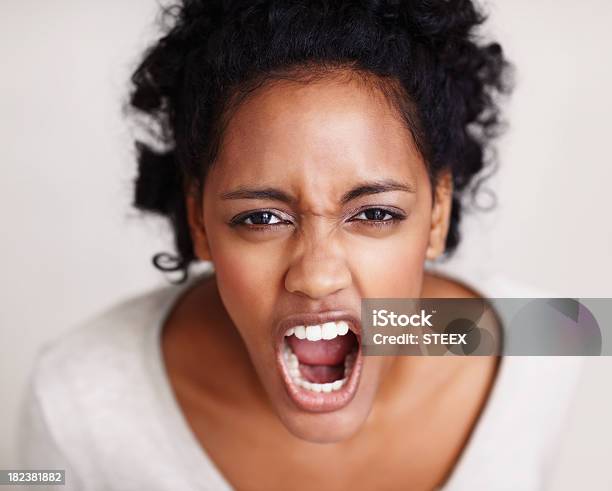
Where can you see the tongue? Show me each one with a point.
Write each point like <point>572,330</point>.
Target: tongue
<point>322,374</point>
<point>322,361</point>
<point>325,352</point>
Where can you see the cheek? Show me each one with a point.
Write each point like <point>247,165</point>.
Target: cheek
<point>250,275</point>
<point>393,267</point>
<point>248,278</point>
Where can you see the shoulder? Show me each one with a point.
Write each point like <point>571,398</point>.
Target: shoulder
<point>457,281</point>
<point>111,337</point>
<point>437,285</point>
<point>515,442</point>
<point>96,371</point>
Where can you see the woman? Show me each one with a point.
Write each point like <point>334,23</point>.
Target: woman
<point>315,153</point>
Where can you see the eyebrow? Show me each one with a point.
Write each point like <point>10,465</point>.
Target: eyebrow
<point>362,189</point>
<point>375,187</point>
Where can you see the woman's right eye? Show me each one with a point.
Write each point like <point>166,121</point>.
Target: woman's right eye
<point>259,218</point>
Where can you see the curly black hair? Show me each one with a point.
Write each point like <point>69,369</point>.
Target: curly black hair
<point>425,54</point>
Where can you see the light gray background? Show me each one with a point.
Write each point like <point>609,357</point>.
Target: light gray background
<point>71,245</point>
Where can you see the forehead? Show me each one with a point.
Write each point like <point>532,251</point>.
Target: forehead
<point>322,131</point>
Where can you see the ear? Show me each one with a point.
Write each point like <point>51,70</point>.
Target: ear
<point>440,215</point>
<point>195,217</point>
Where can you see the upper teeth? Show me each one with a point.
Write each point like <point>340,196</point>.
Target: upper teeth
<point>328,330</point>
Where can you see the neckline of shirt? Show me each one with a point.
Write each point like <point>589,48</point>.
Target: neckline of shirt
<point>196,459</point>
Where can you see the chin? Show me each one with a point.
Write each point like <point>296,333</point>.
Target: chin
<point>327,426</point>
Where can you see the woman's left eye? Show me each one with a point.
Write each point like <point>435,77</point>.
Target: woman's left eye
<point>376,215</point>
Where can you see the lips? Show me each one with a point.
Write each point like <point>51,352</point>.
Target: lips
<point>319,359</point>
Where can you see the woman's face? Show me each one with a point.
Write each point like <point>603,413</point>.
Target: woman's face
<point>318,199</point>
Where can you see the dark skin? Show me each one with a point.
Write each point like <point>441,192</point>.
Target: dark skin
<point>315,146</point>
<point>254,451</point>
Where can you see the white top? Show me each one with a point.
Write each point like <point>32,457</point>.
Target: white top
<point>100,405</point>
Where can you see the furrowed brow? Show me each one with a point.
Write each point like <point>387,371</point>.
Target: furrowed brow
<point>272,194</point>
<point>375,187</point>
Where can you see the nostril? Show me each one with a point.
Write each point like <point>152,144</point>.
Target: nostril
<point>317,279</point>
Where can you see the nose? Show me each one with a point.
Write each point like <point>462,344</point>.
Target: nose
<point>318,271</point>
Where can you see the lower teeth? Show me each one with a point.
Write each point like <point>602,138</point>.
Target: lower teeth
<point>293,367</point>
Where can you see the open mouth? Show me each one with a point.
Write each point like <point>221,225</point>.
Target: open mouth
<point>321,363</point>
